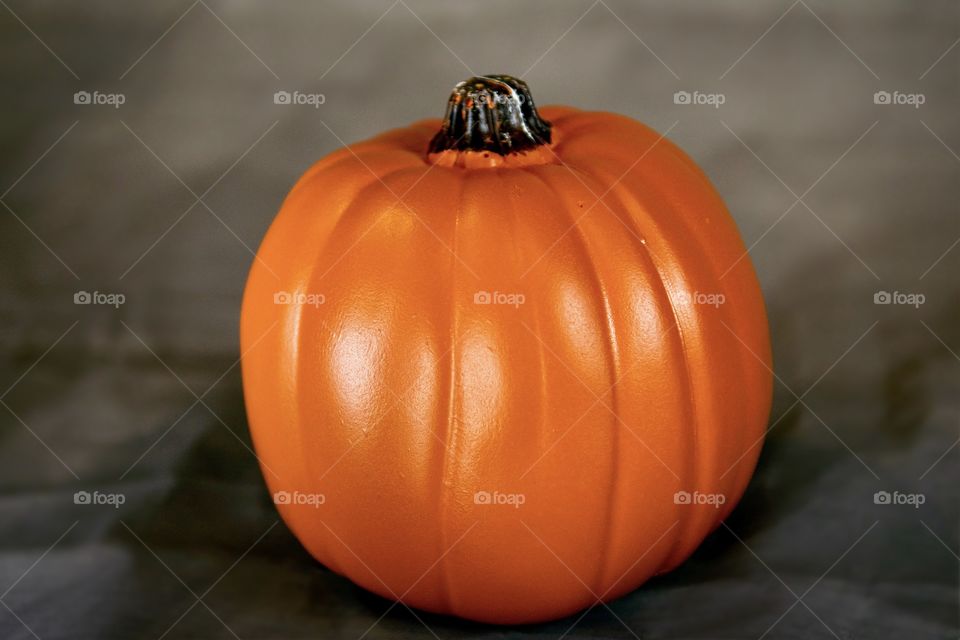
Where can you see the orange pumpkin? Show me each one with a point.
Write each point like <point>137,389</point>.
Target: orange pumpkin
<point>475,388</point>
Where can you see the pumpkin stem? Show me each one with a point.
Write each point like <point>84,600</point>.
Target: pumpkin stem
<point>491,113</point>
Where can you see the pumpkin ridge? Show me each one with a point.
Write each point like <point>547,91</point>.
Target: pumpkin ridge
<point>737,481</point>
<point>538,326</point>
<point>449,439</point>
<point>626,201</point>
<point>727,485</point>
<point>359,203</point>
<point>332,559</point>
<point>688,519</point>
<point>734,483</point>
<point>612,367</point>
<point>652,186</point>
<point>616,459</point>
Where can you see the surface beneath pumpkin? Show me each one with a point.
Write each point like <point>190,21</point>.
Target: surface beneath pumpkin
<point>884,391</point>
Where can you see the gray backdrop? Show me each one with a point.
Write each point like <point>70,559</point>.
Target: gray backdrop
<point>163,198</point>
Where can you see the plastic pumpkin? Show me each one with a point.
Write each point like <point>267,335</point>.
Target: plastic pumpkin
<point>505,366</point>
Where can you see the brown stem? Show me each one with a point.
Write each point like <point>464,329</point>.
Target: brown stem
<point>491,113</point>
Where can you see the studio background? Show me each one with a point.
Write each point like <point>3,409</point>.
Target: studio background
<point>164,198</point>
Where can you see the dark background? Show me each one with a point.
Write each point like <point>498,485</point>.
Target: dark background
<point>165,198</point>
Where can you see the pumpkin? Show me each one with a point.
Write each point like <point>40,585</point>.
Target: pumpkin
<point>505,365</point>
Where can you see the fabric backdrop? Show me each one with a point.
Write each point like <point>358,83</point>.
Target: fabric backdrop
<point>163,198</point>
